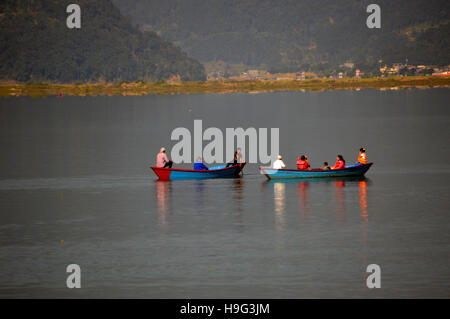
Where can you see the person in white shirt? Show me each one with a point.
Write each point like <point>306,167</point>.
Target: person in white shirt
<point>278,164</point>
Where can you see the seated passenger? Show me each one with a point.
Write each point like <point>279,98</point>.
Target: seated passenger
<point>340,163</point>
<point>199,166</point>
<point>362,158</point>
<point>278,164</point>
<point>162,160</point>
<point>325,166</point>
<point>302,163</point>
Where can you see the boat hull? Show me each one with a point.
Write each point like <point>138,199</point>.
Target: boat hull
<point>170,174</point>
<point>351,170</point>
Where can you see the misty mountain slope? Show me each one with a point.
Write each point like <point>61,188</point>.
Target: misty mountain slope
<point>36,45</point>
<point>290,34</point>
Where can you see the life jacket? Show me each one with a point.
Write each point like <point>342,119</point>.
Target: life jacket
<point>302,164</point>
<point>339,164</point>
<point>362,158</point>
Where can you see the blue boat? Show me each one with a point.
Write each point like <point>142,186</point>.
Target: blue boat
<point>350,170</point>
<point>170,174</point>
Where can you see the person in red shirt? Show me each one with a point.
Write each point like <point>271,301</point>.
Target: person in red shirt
<point>362,157</point>
<point>302,163</point>
<point>340,162</point>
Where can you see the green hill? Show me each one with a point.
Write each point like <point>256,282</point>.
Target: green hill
<point>36,45</point>
<point>287,35</point>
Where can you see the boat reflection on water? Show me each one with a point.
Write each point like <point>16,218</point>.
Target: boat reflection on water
<point>163,191</point>
<point>303,189</point>
<point>319,180</point>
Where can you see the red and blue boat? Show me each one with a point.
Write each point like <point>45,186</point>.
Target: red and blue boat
<point>170,174</point>
<point>350,170</point>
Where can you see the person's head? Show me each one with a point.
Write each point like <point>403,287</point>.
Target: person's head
<point>238,150</point>
<point>303,157</point>
<point>199,159</point>
<point>362,150</point>
<point>162,150</point>
<point>280,157</point>
<point>339,157</point>
<point>325,163</point>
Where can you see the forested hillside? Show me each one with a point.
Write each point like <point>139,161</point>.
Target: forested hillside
<point>287,35</point>
<point>36,45</point>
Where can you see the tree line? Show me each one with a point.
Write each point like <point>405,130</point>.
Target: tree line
<point>36,45</point>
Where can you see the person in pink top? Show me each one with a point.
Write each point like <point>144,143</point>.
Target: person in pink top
<point>162,160</point>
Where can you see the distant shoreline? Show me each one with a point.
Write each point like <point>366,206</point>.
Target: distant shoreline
<point>218,87</point>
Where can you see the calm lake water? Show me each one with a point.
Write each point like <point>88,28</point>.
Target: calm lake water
<point>75,187</point>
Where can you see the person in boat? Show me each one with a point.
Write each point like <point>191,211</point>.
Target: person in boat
<point>340,162</point>
<point>199,166</point>
<point>162,160</point>
<point>237,158</point>
<point>279,164</point>
<point>362,157</point>
<point>302,163</point>
<point>325,166</point>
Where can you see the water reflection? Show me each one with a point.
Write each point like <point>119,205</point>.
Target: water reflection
<point>163,191</point>
<point>238,188</point>
<point>279,198</point>
<point>340,198</point>
<point>199,192</point>
<point>362,185</point>
<point>362,191</point>
<point>303,190</point>
<point>303,201</point>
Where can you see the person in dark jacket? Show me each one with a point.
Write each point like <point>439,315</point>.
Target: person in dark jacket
<point>199,166</point>
<point>237,158</point>
<point>325,166</point>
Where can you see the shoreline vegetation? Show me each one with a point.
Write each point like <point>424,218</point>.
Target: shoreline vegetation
<point>217,87</point>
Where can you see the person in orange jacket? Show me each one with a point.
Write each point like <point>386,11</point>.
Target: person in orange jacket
<point>302,163</point>
<point>340,162</point>
<point>362,157</point>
